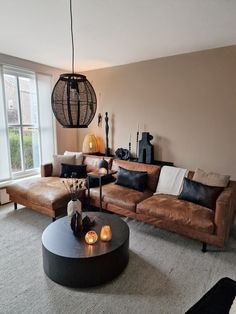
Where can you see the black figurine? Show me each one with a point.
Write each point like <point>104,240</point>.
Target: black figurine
<point>146,149</point>
<point>99,120</point>
<point>107,149</point>
<point>87,223</point>
<point>76,224</point>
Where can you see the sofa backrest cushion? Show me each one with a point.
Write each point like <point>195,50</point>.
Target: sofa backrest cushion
<point>92,162</point>
<point>199,193</point>
<point>152,171</point>
<point>211,178</point>
<point>78,156</point>
<point>58,160</point>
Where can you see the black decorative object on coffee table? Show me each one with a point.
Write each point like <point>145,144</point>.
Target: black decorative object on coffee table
<point>80,227</point>
<point>146,149</point>
<point>70,261</point>
<point>76,224</point>
<point>87,224</point>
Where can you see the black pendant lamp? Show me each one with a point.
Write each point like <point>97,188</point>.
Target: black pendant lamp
<point>74,101</point>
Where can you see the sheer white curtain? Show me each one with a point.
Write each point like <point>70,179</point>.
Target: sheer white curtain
<point>44,83</point>
<point>5,172</point>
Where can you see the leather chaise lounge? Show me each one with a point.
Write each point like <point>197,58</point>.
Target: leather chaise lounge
<point>46,194</point>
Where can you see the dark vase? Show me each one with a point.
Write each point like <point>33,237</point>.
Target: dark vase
<point>76,224</point>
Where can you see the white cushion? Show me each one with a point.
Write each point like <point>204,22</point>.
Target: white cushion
<point>171,180</point>
<point>58,160</point>
<point>78,156</point>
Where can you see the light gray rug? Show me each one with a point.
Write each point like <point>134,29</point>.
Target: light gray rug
<point>166,273</point>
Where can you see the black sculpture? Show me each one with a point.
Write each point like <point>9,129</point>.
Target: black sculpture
<point>122,153</point>
<point>80,226</point>
<point>107,149</point>
<point>99,120</point>
<point>76,224</point>
<point>87,223</point>
<point>146,149</point>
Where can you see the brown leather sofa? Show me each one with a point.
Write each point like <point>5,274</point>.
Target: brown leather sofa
<point>48,196</point>
<point>167,211</point>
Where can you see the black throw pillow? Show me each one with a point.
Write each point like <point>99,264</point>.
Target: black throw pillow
<point>94,182</point>
<point>200,194</point>
<point>75,171</point>
<point>136,180</point>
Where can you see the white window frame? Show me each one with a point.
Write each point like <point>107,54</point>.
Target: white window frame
<point>21,73</point>
<point>45,123</point>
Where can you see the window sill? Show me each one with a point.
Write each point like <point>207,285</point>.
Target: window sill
<point>4,184</point>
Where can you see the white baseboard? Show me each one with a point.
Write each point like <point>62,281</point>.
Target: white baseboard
<point>4,197</point>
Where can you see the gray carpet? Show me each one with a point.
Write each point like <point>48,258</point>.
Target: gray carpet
<point>166,273</point>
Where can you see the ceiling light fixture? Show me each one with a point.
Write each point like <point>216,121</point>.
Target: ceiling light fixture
<point>74,101</point>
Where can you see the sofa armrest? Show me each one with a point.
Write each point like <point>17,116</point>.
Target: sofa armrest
<point>224,213</point>
<point>46,170</point>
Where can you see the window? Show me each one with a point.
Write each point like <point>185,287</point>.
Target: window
<point>28,125</point>
<point>22,121</point>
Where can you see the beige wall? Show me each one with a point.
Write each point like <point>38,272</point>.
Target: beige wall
<point>187,102</point>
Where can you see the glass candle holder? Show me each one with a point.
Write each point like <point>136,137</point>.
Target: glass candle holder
<point>91,237</point>
<point>105,234</point>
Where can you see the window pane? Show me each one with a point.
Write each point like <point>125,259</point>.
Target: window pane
<point>10,82</point>
<point>15,149</point>
<point>28,99</point>
<point>31,148</point>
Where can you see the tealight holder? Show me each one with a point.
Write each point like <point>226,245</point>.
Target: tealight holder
<point>106,234</point>
<point>91,237</point>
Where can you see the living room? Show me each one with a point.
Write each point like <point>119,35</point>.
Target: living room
<point>163,67</point>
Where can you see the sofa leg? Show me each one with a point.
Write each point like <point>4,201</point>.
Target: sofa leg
<point>204,247</point>
<point>15,206</point>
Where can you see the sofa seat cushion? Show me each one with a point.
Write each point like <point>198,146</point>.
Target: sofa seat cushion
<point>122,196</point>
<point>47,191</point>
<point>169,208</point>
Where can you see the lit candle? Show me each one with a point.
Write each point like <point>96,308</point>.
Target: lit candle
<point>90,145</point>
<point>106,234</point>
<point>91,237</point>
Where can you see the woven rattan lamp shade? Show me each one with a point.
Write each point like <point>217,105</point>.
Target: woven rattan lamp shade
<point>90,144</point>
<point>74,101</point>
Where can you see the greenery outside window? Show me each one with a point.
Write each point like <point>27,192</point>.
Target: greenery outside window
<point>22,121</point>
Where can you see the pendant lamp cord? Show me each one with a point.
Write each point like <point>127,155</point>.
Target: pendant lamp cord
<point>72,38</point>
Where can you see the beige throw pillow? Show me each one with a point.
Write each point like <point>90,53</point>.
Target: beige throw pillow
<point>211,178</point>
<point>58,160</point>
<point>78,156</point>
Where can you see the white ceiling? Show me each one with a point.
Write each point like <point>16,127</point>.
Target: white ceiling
<point>113,32</point>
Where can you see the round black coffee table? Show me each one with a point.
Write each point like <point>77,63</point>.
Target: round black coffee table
<point>70,261</point>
